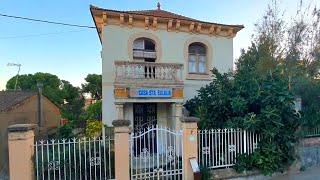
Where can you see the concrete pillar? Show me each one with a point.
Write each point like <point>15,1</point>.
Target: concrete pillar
<point>122,149</point>
<point>119,109</point>
<point>190,144</point>
<point>177,115</point>
<point>21,151</point>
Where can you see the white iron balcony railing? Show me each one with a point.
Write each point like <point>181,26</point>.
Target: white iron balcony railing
<point>137,53</point>
<point>148,72</point>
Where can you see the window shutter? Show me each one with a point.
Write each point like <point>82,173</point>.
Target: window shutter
<point>138,44</point>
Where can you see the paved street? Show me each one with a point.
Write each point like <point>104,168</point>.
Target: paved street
<point>309,174</point>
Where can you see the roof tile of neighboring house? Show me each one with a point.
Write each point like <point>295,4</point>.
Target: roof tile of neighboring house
<point>9,99</point>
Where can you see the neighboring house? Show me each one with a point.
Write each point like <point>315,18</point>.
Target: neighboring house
<point>25,108</point>
<point>155,60</point>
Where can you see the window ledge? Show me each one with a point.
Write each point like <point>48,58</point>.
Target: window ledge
<point>196,76</point>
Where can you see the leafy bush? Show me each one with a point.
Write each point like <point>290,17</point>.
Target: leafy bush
<point>93,128</point>
<point>205,173</point>
<point>65,131</point>
<point>94,111</point>
<point>256,101</point>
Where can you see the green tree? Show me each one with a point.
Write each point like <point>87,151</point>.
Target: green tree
<point>93,86</point>
<point>94,111</point>
<point>73,102</point>
<point>28,82</point>
<point>259,96</point>
<point>60,92</point>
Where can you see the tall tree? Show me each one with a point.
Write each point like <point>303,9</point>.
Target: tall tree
<point>93,86</point>
<point>60,92</point>
<point>28,82</point>
<point>73,101</point>
<point>280,65</point>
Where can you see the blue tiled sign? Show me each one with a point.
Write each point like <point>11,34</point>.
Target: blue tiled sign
<point>151,92</point>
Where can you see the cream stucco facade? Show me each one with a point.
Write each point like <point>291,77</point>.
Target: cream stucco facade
<point>153,61</point>
<point>172,48</point>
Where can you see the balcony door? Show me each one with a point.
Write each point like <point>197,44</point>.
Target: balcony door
<point>144,50</point>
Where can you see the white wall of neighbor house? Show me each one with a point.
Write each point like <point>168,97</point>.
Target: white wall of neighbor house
<point>172,44</point>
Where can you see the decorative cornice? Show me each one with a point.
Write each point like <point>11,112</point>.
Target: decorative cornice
<point>104,17</point>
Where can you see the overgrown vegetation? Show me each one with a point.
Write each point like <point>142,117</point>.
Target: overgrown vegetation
<point>65,132</point>
<point>205,173</point>
<point>93,128</point>
<point>281,64</point>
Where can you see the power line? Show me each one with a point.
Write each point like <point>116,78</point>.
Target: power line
<point>45,21</point>
<point>37,35</point>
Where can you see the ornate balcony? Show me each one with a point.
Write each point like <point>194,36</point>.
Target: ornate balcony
<point>148,73</point>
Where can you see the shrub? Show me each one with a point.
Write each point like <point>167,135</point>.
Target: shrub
<point>65,131</point>
<point>93,128</point>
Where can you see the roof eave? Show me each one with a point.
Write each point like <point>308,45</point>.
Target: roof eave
<point>95,23</point>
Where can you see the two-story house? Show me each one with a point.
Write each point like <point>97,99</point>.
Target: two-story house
<point>154,60</point>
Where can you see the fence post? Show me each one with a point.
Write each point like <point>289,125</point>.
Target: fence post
<point>190,144</point>
<point>244,141</point>
<point>21,151</point>
<point>121,149</point>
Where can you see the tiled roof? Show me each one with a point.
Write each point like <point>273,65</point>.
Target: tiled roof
<point>158,13</point>
<point>9,99</point>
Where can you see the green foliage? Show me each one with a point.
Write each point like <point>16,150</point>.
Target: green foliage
<point>74,102</point>
<point>60,92</point>
<point>205,173</point>
<point>260,103</point>
<point>255,99</point>
<point>279,66</point>
<point>93,128</point>
<point>94,111</point>
<point>212,102</point>
<point>244,163</point>
<point>93,86</point>
<point>65,131</point>
<point>51,85</point>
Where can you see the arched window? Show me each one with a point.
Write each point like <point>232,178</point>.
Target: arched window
<point>144,49</point>
<point>197,62</point>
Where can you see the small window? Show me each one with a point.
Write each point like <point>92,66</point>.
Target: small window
<point>197,58</point>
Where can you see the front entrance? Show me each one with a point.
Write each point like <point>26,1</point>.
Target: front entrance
<point>156,158</point>
<point>144,116</point>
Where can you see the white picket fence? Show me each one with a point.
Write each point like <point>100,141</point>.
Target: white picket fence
<point>219,148</point>
<point>86,158</point>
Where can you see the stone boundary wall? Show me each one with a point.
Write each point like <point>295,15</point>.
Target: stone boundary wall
<point>309,152</point>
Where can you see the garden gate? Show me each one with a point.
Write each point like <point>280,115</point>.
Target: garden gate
<point>67,159</point>
<point>155,153</point>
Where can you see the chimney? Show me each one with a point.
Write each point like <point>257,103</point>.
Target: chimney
<point>40,106</point>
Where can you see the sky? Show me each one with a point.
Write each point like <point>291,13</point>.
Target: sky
<point>71,53</point>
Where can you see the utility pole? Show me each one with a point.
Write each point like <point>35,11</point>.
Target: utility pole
<point>18,65</point>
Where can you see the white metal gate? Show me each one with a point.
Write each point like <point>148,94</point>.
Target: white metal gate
<point>83,159</point>
<point>156,153</point>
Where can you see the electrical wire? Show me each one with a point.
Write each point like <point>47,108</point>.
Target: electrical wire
<point>38,35</point>
<point>45,21</point>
